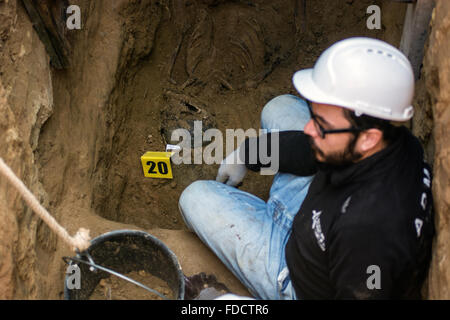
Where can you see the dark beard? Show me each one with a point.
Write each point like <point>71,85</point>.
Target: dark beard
<point>338,159</point>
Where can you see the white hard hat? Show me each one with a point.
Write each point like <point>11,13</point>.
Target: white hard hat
<point>368,76</point>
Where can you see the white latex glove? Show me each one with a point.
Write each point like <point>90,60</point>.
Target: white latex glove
<point>232,170</point>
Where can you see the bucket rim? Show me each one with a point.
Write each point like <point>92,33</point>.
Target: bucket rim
<point>124,232</point>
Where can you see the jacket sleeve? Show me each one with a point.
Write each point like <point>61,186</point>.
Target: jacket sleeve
<point>294,152</point>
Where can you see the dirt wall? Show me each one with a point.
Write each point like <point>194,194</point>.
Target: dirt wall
<point>26,102</point>
<point>437,82</point>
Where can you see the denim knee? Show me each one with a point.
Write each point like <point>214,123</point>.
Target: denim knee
<point>191,196</point>
<point>285,112</point>
<point>272,108</point>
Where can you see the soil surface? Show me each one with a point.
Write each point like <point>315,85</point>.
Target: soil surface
<point>115,288</point>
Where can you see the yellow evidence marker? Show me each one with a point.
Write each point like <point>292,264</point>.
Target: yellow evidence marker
<point>157,164</point>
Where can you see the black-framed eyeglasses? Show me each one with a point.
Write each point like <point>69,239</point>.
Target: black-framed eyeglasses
<point>322,131</point>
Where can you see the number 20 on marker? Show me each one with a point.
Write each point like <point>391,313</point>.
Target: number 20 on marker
<point>157,165</point>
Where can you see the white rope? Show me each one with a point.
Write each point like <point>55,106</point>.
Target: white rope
<point>80,241</point>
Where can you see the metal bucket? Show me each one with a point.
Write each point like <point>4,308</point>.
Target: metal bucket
<point>124,251</point>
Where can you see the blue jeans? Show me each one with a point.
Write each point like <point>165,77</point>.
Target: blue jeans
<point>248,234</point>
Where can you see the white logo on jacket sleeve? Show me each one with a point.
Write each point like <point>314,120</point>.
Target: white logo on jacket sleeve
<point>318,229</point>
<point>423,201</point>
<point>345,205</point>
<point>418,223</point>
<point>427,179</point>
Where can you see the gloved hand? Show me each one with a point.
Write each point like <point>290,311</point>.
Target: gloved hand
<point>232,170</point>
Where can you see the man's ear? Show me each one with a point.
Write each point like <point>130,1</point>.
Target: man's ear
<point>370,139</point>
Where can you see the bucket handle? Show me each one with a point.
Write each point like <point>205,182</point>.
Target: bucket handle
<point>92,264</point>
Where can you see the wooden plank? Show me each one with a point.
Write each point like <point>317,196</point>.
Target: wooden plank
<point>415,32</point>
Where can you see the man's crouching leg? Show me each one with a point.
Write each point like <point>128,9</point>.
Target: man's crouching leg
<point>235,225</point>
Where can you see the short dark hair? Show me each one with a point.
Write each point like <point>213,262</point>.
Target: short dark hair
<point>365,122</point>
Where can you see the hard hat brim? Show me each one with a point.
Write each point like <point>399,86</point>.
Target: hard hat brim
<point>304,83</point>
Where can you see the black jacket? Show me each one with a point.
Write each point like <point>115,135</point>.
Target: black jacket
<point>364,231</point>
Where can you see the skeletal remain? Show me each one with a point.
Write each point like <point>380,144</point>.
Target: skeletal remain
<point>223,44</point>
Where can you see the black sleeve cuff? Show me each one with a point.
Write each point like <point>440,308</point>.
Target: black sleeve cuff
<point>294,152</point>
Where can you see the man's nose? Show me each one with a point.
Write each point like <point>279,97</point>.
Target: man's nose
<point>310,129</point>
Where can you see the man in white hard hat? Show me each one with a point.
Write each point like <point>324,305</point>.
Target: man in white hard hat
<point>349,214</point>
